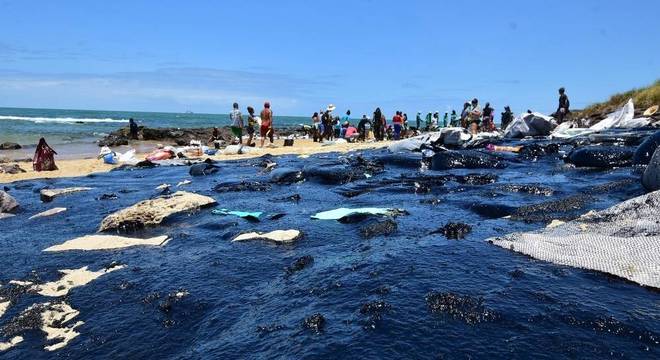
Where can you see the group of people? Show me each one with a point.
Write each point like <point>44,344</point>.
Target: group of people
<point>264,122</point>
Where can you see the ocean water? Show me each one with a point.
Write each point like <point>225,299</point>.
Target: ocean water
<point>241,302</point>
<point>26,126</point>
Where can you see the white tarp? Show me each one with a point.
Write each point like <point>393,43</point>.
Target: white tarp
<point>534,124</point>
<point>455,136</point>
<point>623,240</point>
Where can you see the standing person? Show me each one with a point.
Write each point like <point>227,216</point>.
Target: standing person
<point>418,120</point>
<point>252,123</point>
<point>436,120</point>
<point>346,119</point>
<point>316,127</point>
<point>378,123</point>
<point>429,121</point>
<point>266,129</point>
<point>397,123</point>
<point>326,121</point>
<point>133,129</point>
<point>445,120</point>
<point>237,123</point>
<point>564,104</point>
<point>507,117</point>
<point>454,119</point>
<point>488,118</point>
<point>464,115</point>
<point>475,112</point>
<point>405,125</point>
<point>215,138</point>
<point>383,126</point>
<point>44,159</point>
<point>363,128</point>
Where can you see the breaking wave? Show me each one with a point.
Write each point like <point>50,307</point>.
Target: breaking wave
<point>65,120</point>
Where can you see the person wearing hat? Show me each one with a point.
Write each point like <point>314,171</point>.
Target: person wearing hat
<point>266,129</point>
<point>564,104</point>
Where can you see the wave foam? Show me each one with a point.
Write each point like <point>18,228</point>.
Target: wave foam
<point>65,120</point>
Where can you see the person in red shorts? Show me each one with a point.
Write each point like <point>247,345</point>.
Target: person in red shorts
<point>266,129</point>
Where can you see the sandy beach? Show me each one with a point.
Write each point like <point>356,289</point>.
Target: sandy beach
<point>84,166</point>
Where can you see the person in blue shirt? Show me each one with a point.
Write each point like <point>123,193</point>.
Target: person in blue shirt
<point>445,120</point>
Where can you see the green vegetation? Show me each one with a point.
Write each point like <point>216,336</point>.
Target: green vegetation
<point>642,97</point>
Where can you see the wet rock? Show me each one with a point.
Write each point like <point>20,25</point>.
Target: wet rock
<point>11,169</point>
<point>475,179</point>
<point>651,177</point>
<point>378,228</point>
<point>292,198</point>
<point>454,230</point>
<point>468,309</point>
<point>113,140</point>
<point>154,211</point>
<point>7,203</point>
<point>315,322</point>
<point>9,146</point>
<point>203,168</point>
<point>534,151</point>
<point>276,216</point>
<point>300,264</point>
<point>241,186</point>
<point>267,329</point>
<point>601,156</point>
<point>109,196</point>
<point>527,189</point>
<point>465,159</point>
<point>286,175</point>
<point>564,209</point>
<point>341,172</point>
<point>404,160</point>
<point>645,150</point>
<point>492,211</point>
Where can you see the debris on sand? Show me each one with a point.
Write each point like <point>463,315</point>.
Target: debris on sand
<point>280,236</point>
<point>454,230</point>
<point>48,195</point>
<point>50,212</point>
<point>154,211</point>
<point>379,228</point>
<point>315,322</point>
<point>106,242</point>
<point>300,264</point>
<point>241,186</point>
<point>461,307</point>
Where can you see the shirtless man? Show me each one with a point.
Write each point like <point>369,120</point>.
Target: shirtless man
<point>266,129</point>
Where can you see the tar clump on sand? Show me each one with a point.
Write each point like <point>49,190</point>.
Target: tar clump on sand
<point>468,309</point>
<point>315,322</point>
<point>454,230</point>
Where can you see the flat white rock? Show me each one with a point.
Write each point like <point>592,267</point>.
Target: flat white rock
<point>277,236</point>
<point>106,242</point>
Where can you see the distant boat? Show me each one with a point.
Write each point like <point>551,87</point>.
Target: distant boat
<point>188,112</point>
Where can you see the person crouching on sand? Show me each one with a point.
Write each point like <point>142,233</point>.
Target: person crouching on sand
<point>266,129</point>
<point>237,123</point>
<point>44,159</point>
<point>252,123</point>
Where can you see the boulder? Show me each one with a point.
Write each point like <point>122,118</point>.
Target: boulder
<point>9,146</point>
<point>154,211</point>
<point>601,156</point>
<point>646,149</point>
<point>7,203</point>
<point>651,177</point>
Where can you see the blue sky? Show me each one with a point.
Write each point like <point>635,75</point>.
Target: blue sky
<point>302,55</point>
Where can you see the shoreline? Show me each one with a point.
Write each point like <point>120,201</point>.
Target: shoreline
<point>85,165</point>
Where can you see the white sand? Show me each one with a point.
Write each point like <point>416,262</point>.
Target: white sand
<point>106,242</point>
<point>4,346</point>
<point>50,212</point>
<point>277,236</point>
<point>59,315</point>
<point>71,279</point>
